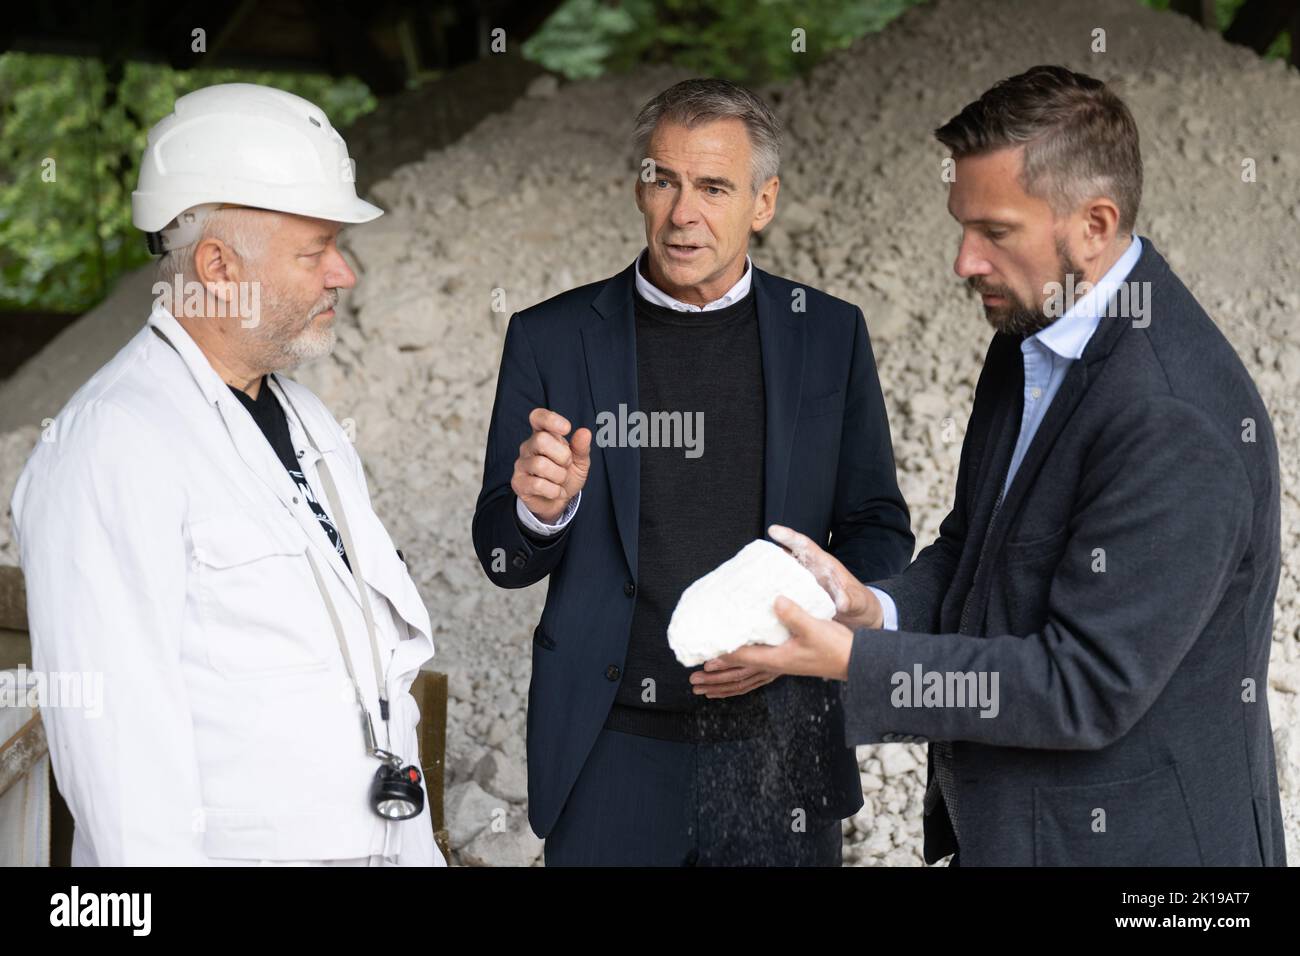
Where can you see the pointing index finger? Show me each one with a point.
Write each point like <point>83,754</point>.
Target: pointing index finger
<point>545,420</point>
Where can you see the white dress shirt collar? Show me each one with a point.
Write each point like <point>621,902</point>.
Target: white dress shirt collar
<point>659,297</point>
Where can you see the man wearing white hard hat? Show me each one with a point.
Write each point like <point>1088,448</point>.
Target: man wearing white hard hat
<point>199,532</point>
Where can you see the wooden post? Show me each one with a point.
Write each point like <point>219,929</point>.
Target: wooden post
<point>15,646</point>
<point>430,692</point>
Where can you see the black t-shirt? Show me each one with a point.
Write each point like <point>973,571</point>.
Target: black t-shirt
<point>269,415</point>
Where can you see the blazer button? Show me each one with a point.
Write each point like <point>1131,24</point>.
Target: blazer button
<point>612,672</point>
<point>629,588</point>
<point>888,738</point>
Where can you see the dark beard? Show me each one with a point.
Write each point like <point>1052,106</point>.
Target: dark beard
<point>1019,317</point>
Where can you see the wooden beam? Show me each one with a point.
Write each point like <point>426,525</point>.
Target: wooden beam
<point>220,31</point>
<point>21,752</point>
<point>350,48</point>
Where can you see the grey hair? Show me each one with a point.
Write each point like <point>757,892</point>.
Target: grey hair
<point>693,102</point>
<point>237,228</point>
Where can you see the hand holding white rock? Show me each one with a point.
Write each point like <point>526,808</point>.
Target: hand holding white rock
<point>731,606</point>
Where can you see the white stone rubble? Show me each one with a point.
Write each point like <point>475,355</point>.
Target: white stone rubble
<point>538,199</point>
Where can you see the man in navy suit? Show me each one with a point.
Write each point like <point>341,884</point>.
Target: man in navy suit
<point>646,428</point>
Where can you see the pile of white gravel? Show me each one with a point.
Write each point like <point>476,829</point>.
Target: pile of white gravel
<point>539,199</point>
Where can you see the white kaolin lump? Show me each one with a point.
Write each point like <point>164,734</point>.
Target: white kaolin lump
<point>731,606</point>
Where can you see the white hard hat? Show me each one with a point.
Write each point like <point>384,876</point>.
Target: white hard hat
<point>242,144</point>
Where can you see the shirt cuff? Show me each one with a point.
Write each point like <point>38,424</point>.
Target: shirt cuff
<point>889,610</point>
<point>537,526</point>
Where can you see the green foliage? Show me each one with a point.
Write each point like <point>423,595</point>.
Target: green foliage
<point>749,41</point>
<point>71,140</point>
<point>70,148</point>
<point>579,37</point>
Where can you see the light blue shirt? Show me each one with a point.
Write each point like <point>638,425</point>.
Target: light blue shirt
<point>1047,356</point>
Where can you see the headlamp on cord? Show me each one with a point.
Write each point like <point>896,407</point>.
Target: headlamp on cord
<point>395,793</point>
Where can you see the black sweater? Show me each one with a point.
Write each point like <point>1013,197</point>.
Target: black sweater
<point>699,504</point>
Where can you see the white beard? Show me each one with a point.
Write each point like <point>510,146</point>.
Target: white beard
<point>309,345</point>
<point>280,354</point>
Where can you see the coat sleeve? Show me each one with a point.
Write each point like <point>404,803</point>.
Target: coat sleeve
<point>1167,496</point>
<point>871,527</point>
<point>918,590</point>
<point>511,557</point>
<point>99,517</point>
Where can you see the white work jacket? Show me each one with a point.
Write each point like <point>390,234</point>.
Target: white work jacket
<point>165,548</point>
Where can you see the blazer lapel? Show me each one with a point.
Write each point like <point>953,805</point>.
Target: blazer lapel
<point>1058,413</point>
<point>781,340</point>
<point>610,349</point>
<point>1075,385</point>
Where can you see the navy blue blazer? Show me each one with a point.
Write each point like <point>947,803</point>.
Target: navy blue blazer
<point>828,472</point>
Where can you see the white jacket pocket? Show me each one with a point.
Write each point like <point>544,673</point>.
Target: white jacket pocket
<point>250,577</point>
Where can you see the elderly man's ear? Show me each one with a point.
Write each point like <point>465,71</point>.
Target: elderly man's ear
<point>217,263</point>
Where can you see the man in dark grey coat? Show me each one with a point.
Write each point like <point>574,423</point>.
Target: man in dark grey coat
<point>1086,645</point>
